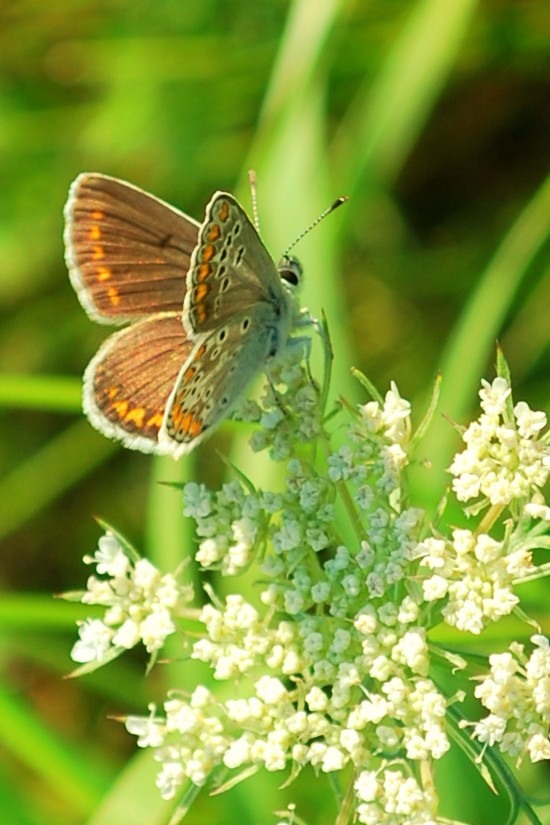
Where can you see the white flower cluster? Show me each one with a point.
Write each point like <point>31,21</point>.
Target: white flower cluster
<point>391,797</point>
<point>475,574</point>
<point>228,524</point>
<point>384,433</point>
<point>505,458</point>
<point>188,740</point>
<point>517,695</point>
<point>141,604</point>
<point>331,667</point>
<point>327,696</point>
<point>288,412</point>
<point>344,673</point>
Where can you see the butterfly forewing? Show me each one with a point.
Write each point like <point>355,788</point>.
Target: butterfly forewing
<point>231,270</point>
<point>128,253</point>
<point>128,383</point>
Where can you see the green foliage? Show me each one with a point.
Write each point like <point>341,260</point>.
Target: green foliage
<point>431,115</point>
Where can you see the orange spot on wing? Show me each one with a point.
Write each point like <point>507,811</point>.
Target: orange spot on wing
<point>196,428</point>
<point>98,253</point>
<point>155,421</point>
<point>98,215</point>
<point>112,392</point>
<point>114,297</point>
<point>223,211</point>
<point>95,232</point>
<point>201,291</point>
<point>187,422</point>
<point>121,408</point>
<point>176,415</point>
<point>200,314</point>
<point>200,352</point>
<point>214,233</point>
<point>135,416</point>
<point>203,272</point>
<point>104,273</point>
<point>207,253</point>
<point>188,375</point>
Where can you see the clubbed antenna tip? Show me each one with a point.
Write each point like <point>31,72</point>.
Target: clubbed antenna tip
<point>338,202</point>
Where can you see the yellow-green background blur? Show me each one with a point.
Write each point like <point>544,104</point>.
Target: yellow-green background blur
<point>432,115</point>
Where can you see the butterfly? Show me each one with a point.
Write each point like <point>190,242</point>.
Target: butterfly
<point>205,309</point>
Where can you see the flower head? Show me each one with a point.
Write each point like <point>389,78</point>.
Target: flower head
<point>327,661</point>
<point>505,458</point>
<point>141,604</point>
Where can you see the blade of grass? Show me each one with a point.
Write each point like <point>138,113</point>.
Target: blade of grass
<point>474,337</point>
<point>49,472</point>
<point>292,160</point>
<point>384,122</point>
<point>307,31</point>
<point>170,541</point>
<point>296,175</point>
<point>526,338</point>
<point>134,797</point>
<point>44,614</point>
<point>66,769</point>
<point>41,392</point>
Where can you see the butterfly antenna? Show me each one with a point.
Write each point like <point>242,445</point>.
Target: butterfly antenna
<point>338,202</point>
<point>254,195</point>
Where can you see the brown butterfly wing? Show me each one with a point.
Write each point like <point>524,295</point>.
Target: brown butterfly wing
<point>128,252</point>
<point>128,382</point>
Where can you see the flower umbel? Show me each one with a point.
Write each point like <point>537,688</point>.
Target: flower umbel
<point>505,459</point>
<point>516,693</point>
<point>141,604</point>
<point>329,665</point>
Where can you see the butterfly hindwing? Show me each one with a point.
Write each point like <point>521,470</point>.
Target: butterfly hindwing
<point>128,382</point>
<point>128,253</point>
<point>215,376</point>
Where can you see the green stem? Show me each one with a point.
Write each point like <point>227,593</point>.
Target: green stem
<point>345,496</point>
<point>489,518</point>
<point>345,814</point>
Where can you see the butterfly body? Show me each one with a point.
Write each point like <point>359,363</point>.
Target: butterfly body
<point>206,304</point>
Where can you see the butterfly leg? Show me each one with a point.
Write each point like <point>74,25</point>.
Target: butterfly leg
<point>321,328</point>
<point>277,398</point>
<point>303,341</point>
<point>292,356</point>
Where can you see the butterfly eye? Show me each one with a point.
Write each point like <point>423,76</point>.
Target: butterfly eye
<point>290,270</point>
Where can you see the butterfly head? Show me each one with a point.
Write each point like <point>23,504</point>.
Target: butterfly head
<point>291,271</point>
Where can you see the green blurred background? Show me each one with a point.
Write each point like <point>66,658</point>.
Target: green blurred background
<point>433,116</point>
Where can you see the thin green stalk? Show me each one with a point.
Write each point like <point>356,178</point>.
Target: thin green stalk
<point>49,472</point>
<point>474,338</point>
<point>66,770</point>
<point>389,112</point>
<point>40,392</point>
